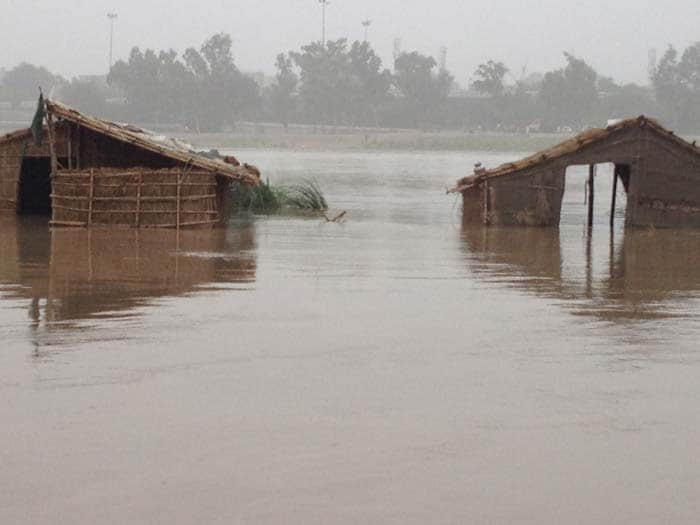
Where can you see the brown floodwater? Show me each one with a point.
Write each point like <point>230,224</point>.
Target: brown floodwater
<point>396,368</point>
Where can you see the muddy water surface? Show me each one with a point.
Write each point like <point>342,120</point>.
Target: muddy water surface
<point>397,368</point>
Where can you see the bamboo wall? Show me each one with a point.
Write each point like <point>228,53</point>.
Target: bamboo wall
<point>10,164</point>
<point>138,197</point>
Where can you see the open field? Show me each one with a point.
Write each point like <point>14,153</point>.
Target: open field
<point>388,141</point>
<point>379,140</point>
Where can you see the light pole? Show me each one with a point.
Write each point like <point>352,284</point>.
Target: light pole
<point>323,3</point>
<point>366,25</point>
<point>112,17</point>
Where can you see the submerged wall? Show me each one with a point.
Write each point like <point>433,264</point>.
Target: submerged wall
<point>663,186</point>
<point>10,165</point>
<point>666,192</point>
<point>524,199</point>
<point>138,197</point>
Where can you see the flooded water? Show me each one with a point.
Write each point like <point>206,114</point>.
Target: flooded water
<point>397,368</point>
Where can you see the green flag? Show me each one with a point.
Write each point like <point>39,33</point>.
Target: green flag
<point>38,121</point>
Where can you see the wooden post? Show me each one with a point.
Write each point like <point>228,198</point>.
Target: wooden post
<point>92,196</point>
<point>52,144</point>
<point>589,265</point>
<point>70,150</point>
<point>177,212</point>
<point>77,146</point>
<point>486,203</point>
<point>591,193</point>
<point>614,199</point>
<point>138,200</point>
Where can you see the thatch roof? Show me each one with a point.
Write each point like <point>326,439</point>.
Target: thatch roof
<point>570,147</point>
<point>14,135</point>
<point>170,148</point>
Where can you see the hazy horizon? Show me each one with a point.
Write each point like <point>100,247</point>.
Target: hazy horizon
<point>530,38</point>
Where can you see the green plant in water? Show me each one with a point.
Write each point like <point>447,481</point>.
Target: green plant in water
<point>265,198</point>
<point>260,198</point>
<point>306,195</point>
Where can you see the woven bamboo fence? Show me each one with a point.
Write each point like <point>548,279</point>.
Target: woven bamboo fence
<point>138,197</point>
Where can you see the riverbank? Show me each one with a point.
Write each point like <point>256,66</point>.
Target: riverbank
<point>391,141</point>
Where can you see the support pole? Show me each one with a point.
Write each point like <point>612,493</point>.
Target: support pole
<point>77,147</point>
<point>52,143</point>
<point>177,213</point>
<point>138,200</point>
<point>591,193</point>
<point>92,197</point>
<point>486,203</point>
<point>613,204</point>
<point>70,150</point>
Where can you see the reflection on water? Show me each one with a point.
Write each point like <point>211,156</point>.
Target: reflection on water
<point>76,274</point>
<point>640,274</point>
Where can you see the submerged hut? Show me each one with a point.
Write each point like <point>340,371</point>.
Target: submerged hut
<point>659,171</point>
<point>82,171</point>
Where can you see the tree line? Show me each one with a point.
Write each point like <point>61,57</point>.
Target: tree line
<point>346,83</point>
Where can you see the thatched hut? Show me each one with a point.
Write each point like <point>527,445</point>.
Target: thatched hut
<point>659,171</point>
<point>93,172</point>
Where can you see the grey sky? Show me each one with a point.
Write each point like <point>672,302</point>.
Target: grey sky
<point>71,36</point>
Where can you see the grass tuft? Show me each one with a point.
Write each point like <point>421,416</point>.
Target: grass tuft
<point>265,198</point>
<point>262,198</point>
<point>306,195</point>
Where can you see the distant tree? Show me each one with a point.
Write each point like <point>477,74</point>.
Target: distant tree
<point>606,85</point>
<point>369,83</point>
<point>628,100</point>
<point>341,84</point>
<point>222,92</point>
<point>689,68</point>
<point>571,93</point>
<point>88,96</point>
<point>677,87</point>
<point>23,82</point>
<point>283,93</point>
<point>205,88</point>
<point>489,78</point>
<point>425,92</point>
<point>156,85</point>
<point>324,92</point>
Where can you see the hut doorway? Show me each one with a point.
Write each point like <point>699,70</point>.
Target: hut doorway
<point>604,202</point>
<point>35,186</point>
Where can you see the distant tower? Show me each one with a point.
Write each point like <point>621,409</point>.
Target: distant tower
<point>443,58</point>
<point>397,48</point>
<point>112,17</point>
<point>324,4</point>
<point>652,64</point>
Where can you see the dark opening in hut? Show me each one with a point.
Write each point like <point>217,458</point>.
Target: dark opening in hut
<point>35,187</point>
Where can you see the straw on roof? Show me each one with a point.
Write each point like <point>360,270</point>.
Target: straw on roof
<point>171,148</point>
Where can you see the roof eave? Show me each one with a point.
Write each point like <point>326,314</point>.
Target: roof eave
<point>234,173</point>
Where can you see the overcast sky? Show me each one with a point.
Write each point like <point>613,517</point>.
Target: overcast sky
<point>71,37</point>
